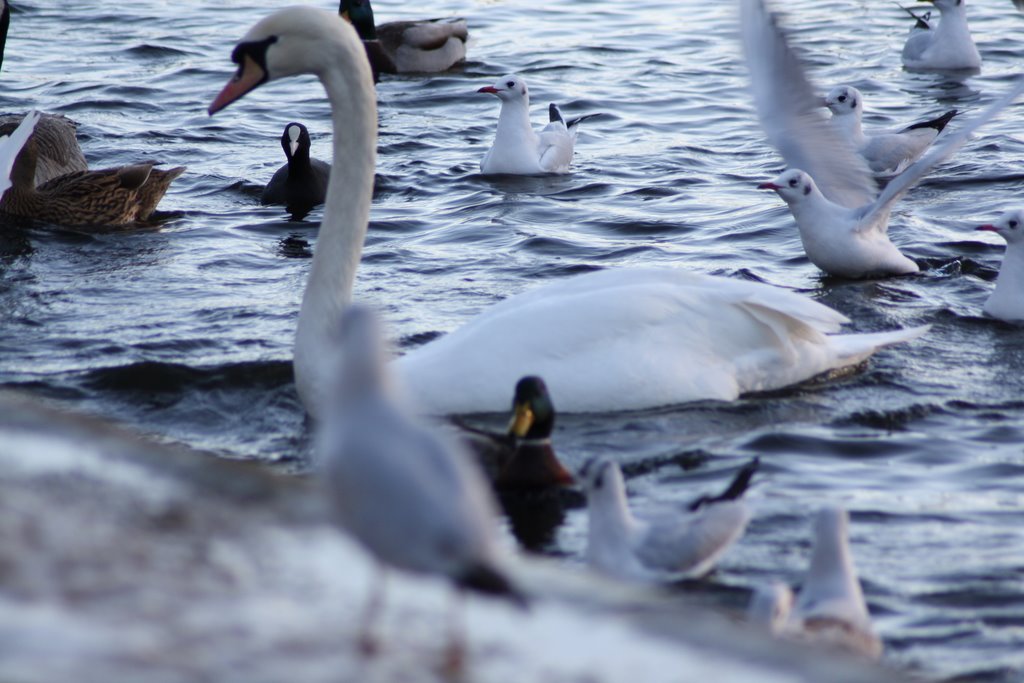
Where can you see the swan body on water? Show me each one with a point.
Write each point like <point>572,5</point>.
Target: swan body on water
<point>618,339</point>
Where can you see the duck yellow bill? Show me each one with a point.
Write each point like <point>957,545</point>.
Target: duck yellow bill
<point>521,422</point>
<point>249,75</point>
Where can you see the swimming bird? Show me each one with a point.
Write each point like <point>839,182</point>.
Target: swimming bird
<point>517,148</point>
<point>11,144</point>
<point>830,607</point>
<point>55,135</point>
<point>886,153</point>
<point>397,47</point>
<point>301,183</point>
<point>107,197</point>
<point>946,46</point>
<point>617,339</point>
<point>843,225</point>
<point>671,544</point>
<point>522,459</point>
<point>1007,300</point>
<point>413,500</point>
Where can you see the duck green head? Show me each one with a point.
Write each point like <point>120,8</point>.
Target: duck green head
<point>359,13</point>
<point>533,415</point>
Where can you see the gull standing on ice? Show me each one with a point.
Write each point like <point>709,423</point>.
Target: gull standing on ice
<point>828,186</point>
<point>413,500</point>
<point>947,46</point>
<point>886,153</point>
<point>673,544</point>
<point>517,148</point>
<point>1007,300</point>
<point>830,608</point>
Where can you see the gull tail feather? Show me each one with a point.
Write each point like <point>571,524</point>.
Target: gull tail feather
<point>738,486</point>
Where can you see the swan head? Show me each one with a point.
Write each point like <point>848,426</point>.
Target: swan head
<point>289,42</point>
<point>295,138</point>
<point>359,13</point>
<point>509,88</point>
<point>533,415</point>
<point>844,100</point>
<point>1010,226</point>
<point>793,185</point>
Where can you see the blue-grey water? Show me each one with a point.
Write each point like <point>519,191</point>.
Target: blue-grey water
<point>185,332</point>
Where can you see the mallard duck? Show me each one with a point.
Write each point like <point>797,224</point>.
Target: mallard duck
<point>108,197</point>
<point>10,147</point>
<point>426,45</point>
<point>57,149</point>
<point>301,183</point>
<point>55,135</point>
<point>522,459</point>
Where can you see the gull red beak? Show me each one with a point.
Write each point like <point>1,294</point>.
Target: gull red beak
<point>768,186</point>
<point>489,88</point>
<point>987,226</point>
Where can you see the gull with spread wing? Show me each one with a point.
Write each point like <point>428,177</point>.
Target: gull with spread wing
<point>828,186</point>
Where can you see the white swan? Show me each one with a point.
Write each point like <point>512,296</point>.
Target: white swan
<point>608,340</point>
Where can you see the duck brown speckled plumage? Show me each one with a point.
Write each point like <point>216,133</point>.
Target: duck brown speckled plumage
<point>56,143</point>
<point>56,135</point>
<point>107,197</point>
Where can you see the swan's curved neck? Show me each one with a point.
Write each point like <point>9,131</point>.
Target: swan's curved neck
<point>339,245</point>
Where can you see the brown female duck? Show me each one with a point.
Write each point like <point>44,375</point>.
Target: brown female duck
<point>56,135</point>
<point>108,197</point>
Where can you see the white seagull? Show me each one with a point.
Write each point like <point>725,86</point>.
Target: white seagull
<point>947,46</point>
<point>886,153</point>
<point>1007,300</point>
<point>517,148</point>
<point>415,501</point>
<point>616,339</point>
<point>830,608</point>
<point>671,544</point>
<point>10,146</point>
<point>829,187</point>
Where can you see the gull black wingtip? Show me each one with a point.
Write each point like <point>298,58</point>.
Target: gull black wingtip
<point>737,487</point>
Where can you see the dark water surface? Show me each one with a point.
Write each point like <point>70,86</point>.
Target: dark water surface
<point>185,332</point>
